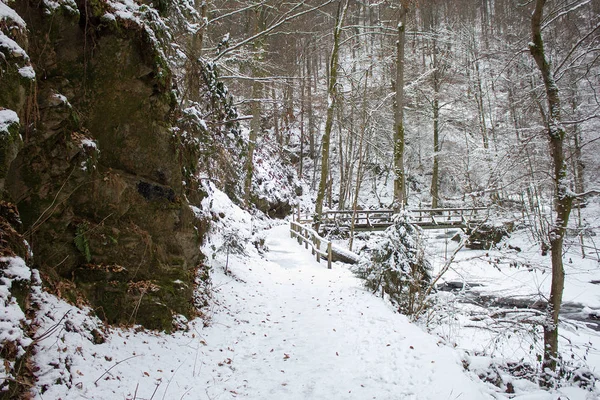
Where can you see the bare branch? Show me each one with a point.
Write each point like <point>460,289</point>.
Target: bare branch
<point>270,29</point>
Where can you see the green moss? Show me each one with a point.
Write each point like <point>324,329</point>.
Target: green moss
<point>20,291</point>
<point>153,314</point>
<point>10,144</point>
<point>64,10</point>
<point>81,241</point>
<point>98,7</point>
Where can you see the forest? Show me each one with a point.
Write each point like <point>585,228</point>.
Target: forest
<point>156,156</point>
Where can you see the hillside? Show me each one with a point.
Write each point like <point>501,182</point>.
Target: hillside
<point>153,152</point>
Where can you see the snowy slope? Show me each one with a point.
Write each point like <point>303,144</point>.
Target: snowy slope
<point>281,328</point>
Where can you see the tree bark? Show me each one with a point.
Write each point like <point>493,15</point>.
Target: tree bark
<point>359,170</point>
<point>563,196</point>
<point>399,176</point>
<point>257,93</point>
<point>278,136</point>
<point>193,67</point>
<point>309,110</point>
<point>332,95</point>
<point>436,129</point>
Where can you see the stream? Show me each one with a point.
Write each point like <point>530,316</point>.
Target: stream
<point>569,310</point>
<point>473,293</point>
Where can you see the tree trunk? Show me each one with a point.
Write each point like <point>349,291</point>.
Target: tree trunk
<point>278,136</point>
<point>359,169</point>
<point>341,162</point>
<point>563,198</point>
<point>254,129</point>
<point>399,178</point>
<point>576,160</point>
<point>332,94</point>
<point>257,93</point>
<point>302,105</point>
<point>309,110</point>
<point>436,130</point>
<point>193,68</point>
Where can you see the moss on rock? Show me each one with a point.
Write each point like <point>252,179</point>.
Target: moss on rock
<point>98,181</point>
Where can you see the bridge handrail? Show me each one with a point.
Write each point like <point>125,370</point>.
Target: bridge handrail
<point>424,217</point>
<point>358,212</point>
<point>308,236</point>
<point>432,210</point>
<point>413,210</point>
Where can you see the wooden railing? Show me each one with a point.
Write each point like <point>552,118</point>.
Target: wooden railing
<point>361,217</point>
<point>311,238</point>
<point>424,217</point>
<point>448,216</point>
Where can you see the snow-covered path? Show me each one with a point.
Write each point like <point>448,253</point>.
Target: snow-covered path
<point>282,328</point>
<point>300,331</point>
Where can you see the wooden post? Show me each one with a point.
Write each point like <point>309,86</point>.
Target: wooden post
<point>328,255</point>
<point>306,238</point>
<point>318,249</point>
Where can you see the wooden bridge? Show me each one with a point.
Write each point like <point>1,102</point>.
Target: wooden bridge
<point>372,220</point>
<point>426,218</point>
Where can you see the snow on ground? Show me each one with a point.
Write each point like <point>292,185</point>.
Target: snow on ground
<point>13,337</point>
<point>285,327</point>
<point>518,277</point>
<point>282,327</point>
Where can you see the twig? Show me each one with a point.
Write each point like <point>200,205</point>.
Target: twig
<point>136,308</point>
<point>155,389</point>
<point>170,379</point>
<point>33,226</point>
<point>271,28</point>
<point>184,393</point>
<point>117,363</point>
<point>50,330</point>
<point>445,268</point>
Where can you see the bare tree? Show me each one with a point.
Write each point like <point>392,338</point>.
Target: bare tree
<point>331,104</point>
<point>563,196</point>
<point>399,142</point>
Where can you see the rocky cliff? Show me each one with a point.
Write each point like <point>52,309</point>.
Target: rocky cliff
<point>99,152</point>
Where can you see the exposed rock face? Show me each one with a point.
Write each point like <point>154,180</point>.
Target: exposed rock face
<point>16,304</point>
<point>99,179</point>
<point>488,235</point>
<point>16,80</point>
<point>274,184</point>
